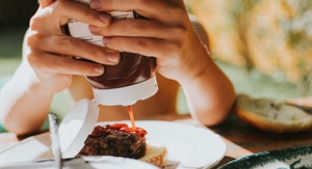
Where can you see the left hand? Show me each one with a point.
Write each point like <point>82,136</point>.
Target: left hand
<point>166,34</point>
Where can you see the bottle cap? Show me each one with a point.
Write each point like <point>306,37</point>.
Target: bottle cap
<point>74,129</point>
<point>127,95</point>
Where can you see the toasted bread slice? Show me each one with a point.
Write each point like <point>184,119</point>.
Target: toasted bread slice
<point>270,115</point>
<point>155,153</point>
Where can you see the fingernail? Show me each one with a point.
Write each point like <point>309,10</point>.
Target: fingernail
<point>99,69</point>
<point>113,57</point>
<point>105,18</point>
<point>95,4</point>
<point>94,29</point>
<point>106,40</point>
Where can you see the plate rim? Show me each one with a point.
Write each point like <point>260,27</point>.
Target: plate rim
<point>72,162</point>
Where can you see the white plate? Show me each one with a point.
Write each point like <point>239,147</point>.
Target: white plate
<point>289,158</point>
<point>106,162</point>
<point>191,145</point>
<point>31,148</point>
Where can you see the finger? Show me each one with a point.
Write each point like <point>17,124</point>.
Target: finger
<point>65,45</point>
<point>145,46</point>
<point>147,8</point>
<point>50,63</point>
<point>135,28</point>
<point>81,12</point>
<point>63,11</point>
<point>45,3</point>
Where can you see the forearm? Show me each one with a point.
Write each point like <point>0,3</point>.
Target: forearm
<point>210,95</point>
<point>23,102</point>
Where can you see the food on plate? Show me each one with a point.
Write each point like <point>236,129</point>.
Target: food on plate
<point>115,140</point>
<point>121,141</point>
<point>272,115</point>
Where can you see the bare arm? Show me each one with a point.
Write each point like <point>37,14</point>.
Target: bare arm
<point>24,102</point>
<point>210,95</point>
<point>47,66</point>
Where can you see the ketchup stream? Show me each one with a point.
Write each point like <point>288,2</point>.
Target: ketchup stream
<point>138,130</point>
<point>131,118</point>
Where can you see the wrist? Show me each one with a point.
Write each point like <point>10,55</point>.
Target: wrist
<point>199,63</point>
<point>31,83</point>
<point>197,72</point>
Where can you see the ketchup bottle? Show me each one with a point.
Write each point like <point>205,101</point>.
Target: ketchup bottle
<point>132,79</point>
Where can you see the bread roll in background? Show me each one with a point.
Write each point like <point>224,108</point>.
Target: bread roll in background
<point>271,115</point>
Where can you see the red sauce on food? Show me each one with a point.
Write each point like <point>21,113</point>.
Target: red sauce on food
<point>100,130</point>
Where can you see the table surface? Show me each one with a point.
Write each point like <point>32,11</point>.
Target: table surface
<point>241,139</point>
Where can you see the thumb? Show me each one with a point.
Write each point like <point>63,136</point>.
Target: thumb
<point>45,3</point>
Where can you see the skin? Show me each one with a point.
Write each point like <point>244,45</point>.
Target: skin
<point>47,66</point>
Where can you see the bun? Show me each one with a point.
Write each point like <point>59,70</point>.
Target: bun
<point>155,152</point>
<point>273,116</point>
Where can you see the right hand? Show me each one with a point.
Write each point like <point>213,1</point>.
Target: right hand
<point>49,51</point>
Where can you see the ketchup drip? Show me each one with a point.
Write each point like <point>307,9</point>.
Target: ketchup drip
<point>131,118</point>
<point>99,130</point>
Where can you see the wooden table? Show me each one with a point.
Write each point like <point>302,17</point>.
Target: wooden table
<point>241,139</point>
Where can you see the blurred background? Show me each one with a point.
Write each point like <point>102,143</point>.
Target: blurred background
<point>264,38</point>
<point>14,18</point>
<point>263,46</point>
